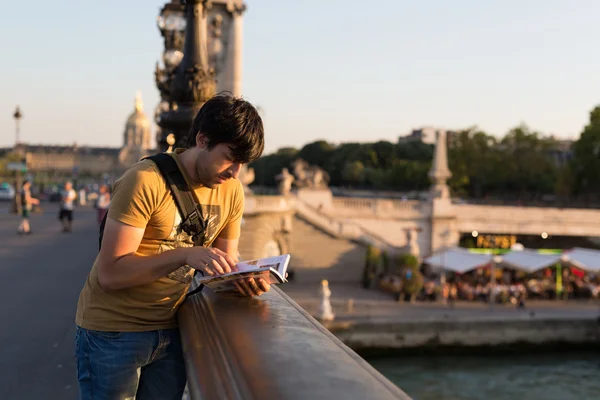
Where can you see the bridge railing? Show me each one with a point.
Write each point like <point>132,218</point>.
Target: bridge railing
<point>270,348</point>
<point>264,204</point>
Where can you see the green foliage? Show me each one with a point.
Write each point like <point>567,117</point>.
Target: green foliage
<point>316,153</point>
<point>372,262</point>
<point>586,157</point>
<point>521,164</point>
<point>373,255</point>
<point>407,260</point>
<point>353,173</point>
<point>407,266</point>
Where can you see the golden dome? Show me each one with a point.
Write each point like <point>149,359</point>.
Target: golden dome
<point>138,117</point>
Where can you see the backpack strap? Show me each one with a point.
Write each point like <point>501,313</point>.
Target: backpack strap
<point>193,222</point>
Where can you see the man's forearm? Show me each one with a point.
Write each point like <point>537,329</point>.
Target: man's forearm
<point>132,270</point>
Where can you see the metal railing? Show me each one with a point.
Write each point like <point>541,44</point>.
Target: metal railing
<point>270,348</point>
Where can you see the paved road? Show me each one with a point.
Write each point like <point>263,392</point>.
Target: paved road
<point>40,279</point>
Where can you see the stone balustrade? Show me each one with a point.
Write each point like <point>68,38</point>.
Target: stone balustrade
<point>268,204</point>
<point>528,220</point>
<point>385,208</point>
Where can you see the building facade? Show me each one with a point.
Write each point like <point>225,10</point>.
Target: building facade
<point>88,161</point>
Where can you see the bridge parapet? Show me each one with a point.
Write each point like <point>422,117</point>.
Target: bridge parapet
<point>270,348</point>
<point>528,220</point>
<point>384,208</point>
<point>268,204</point>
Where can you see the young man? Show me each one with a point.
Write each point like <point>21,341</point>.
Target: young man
<point>127,342</point>
<point>28,202</point>
<point>67,200</point>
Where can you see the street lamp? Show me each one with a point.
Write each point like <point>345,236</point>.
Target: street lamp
<point>192,82</point>
<point>171,23</point>
<point>17,116</point>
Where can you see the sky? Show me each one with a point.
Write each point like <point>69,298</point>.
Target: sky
<point>319,69</point>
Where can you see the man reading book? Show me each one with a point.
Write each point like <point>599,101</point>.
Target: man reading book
<point>127,341</point>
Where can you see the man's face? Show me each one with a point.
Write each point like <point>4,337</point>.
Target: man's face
<point>215,166</point>
<point>68,186</point>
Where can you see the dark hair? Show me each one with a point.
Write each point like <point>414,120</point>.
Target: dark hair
<point>225,118</point>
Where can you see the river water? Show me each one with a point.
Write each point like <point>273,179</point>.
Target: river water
<point>560,376</point>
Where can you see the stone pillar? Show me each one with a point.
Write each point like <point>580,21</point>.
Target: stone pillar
<point>235,48</point>
<point>440,173</point>
<point>443,231</point>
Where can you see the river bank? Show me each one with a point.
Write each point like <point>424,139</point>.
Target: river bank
<point>371,323</point>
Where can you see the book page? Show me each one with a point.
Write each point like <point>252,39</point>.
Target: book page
<point>227,283</point>
<point>278,263</point>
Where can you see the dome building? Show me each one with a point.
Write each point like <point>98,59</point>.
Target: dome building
<point>136,137</point>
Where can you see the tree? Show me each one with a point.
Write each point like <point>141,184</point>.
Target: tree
<point>316,153</point>
<point>354,173</point>
<point>528,164</point>
<point>267,167</point>
<point>473,160</point>
<point>412,279</point>
<point>586,158</point>
<point>385,153</point>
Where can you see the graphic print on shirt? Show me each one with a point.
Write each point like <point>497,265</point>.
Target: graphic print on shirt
<point>178,238</point>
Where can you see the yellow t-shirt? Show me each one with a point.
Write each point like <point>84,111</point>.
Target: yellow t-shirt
<point>142,199</point>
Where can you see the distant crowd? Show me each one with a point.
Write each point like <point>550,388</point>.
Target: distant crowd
<point>29,199</point>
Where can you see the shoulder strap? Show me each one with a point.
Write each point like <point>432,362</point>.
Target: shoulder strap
<point>191,215</point>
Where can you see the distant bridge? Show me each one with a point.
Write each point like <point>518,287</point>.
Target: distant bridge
<point>392,223</point>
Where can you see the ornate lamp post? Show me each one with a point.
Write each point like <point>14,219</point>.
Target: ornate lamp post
<point>171,23</point>
<point>17,116</point>
<point>192,82</point>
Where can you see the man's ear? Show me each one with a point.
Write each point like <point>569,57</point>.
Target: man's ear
<point>201,140</point>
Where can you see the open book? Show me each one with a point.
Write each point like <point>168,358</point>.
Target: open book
<point>271,269</point>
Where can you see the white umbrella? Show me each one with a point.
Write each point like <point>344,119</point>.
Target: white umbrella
<point>458,260</point>
<point>587,259</point>
<point>530,260</point>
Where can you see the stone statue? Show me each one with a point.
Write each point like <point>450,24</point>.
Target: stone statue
<point>411,239</point>
<point>309,176</point>
<point>325,311</point>
<point>246,176</point>
<point>285,180</point>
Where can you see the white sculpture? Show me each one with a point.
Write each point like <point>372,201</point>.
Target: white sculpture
<point>285,180</point>
<point>325,311</point>
<point>309,176</point>
<point>411,240</point>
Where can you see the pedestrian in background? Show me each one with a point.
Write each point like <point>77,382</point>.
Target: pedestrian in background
<point>67,201</point>
<point>102,202</point>
<point>27,202</point>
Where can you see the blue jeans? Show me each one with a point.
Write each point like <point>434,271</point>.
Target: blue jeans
<point>127,365</point>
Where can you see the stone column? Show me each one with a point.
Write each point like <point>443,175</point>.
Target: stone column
<point>235,48</point>
<point>443,233</point>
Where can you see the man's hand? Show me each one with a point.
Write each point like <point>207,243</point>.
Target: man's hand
<point>210,260</point>
<point>252,287</point>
